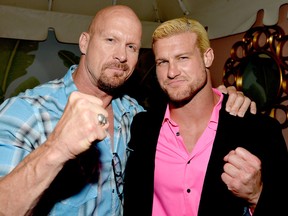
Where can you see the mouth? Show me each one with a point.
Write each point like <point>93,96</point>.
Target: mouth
<point>117,72</point>
<point>117,66</point>
<point>175,83</point>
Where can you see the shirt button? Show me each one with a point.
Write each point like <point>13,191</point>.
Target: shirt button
<point>178,133</point>
<point>188,162</point>
<point>188,190</point>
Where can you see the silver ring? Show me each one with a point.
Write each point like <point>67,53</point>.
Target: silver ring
<point>102,119</point>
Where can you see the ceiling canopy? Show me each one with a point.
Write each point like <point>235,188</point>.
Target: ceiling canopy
<point>31,19</point>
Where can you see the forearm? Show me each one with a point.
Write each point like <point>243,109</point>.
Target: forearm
<point>21,189</point>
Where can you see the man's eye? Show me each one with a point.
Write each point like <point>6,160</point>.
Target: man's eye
<point>183,57</point>
<point>159,63</point>
<point>132,47</point>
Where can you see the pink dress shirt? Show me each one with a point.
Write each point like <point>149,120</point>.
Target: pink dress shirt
<point>179,175</point>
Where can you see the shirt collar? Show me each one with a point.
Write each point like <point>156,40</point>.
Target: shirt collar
<point>214,117</point>
<point>69,82</point>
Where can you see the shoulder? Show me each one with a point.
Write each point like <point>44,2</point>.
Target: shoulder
<point>33,103</point>
<point>258,120</point>
<point>253,125</point>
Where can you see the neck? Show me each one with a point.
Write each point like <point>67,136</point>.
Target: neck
<point>84,85</point>
<point>197,110</point>
<point>193,117</point>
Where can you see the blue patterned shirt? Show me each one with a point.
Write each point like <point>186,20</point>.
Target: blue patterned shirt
<point>27,120</point>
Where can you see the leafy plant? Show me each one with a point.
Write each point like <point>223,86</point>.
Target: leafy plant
<point>14,60</point>
<point>68,58</point>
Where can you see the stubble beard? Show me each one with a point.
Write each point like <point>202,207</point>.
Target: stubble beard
<point>112,84</point>
<point>182,96</point>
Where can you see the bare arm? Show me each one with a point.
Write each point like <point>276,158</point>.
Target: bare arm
<point>78,127</point>
<point>21,189</point>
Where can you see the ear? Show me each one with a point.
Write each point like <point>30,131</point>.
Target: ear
<point>208,57</point>
<point>83,42</point>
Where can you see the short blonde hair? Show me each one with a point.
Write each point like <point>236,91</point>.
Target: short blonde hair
<point>182,25</point>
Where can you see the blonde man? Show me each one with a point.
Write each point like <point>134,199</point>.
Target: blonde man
<point>188,156</point>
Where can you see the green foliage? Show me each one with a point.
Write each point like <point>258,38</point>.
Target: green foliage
<point>68,58</point>
<point>14,60</point>
<point>27,84</point>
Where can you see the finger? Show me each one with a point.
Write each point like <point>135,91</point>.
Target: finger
<point>226,178</point>
<point>253,108</point>
<point>99,133</point>
<point>231,182</point>
<point>89,103</point>
<point>91,129</point>
<point>230,170</point>
<point>227,156</point>
<point>247,156</point>
<point>222,89</point>
<point>231,90</point>
<point>78,95</point>
<point>235,160</point>
<point>238,100</point>
<point>235,100</point>
<point>242,108</point>
<point>230,102</point>
<point>85,110</point>
<point>243,159</point>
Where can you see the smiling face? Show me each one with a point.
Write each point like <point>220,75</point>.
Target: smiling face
<point>180,66</point>
<point>111,47</point>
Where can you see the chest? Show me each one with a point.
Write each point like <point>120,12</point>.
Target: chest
<point>191,135</point>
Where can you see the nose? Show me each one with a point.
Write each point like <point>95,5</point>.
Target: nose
<point>173,70</point>
<point>121,54</point>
